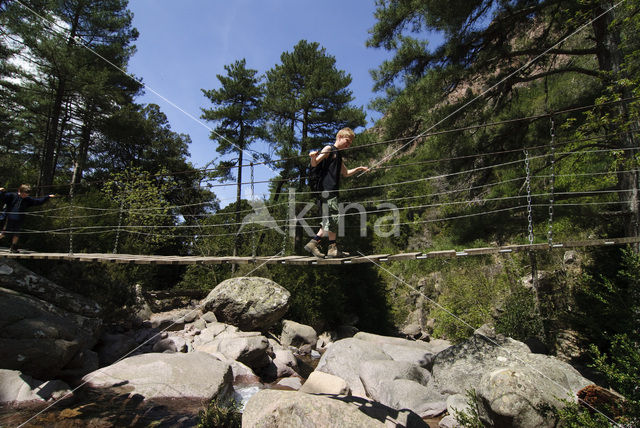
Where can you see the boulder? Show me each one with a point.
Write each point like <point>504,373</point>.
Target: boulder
<point>16,387</point>
<point>293,382</point>
<point>177,375</point>
<point>249,348</point>
<point>401,385</point>
<point>250,303</point>
<point>295,334</point>
<point>409,354</point>
<point>173,320</point>
<point>113,347</point>
<point>291,409</point>
<point>283,364</point>
<point>39,338</point>
<point>513,397</point>
<point>460,367</point>
<point>433,346</point>
<point>82,363</point>
<point>15,277</point>
<point>325,383</point>
<point>344,357</point>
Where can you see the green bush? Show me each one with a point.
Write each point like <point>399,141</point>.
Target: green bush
<point>220,413</point>
<point>520,319</point>
<point>467,299</point>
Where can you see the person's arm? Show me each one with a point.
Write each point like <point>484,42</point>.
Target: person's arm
<point>42,200</point>
<point>349,172</point>
<point>326,150</point>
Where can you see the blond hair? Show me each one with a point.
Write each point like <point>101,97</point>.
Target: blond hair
<point>346,132</point>
<point>24,188</point>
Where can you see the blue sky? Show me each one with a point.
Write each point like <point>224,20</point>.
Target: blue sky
<point>184,44</point>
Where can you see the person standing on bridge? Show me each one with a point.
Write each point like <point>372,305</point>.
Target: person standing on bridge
<point>16,205</point>
<point>332,169</point>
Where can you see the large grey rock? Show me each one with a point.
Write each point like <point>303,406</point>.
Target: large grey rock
<point>16,387</point>
<point>249,348</point>
<point>194,375</point>
<point>460,367</point>
<point>325,383</point>
<point>283,364</point>
<point>113,347</point>
<point>291,409</point>
<point>250,303</point>
<point>39,338</point>
<point>513,397</point>
<point>401,385</point>
<point>434,345</point>
<point>344,357</point>
<point>296,334</point>
<point>409,354</point>
<point>15,277</point>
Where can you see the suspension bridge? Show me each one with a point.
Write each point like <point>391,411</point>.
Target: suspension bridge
<point>303,260</point>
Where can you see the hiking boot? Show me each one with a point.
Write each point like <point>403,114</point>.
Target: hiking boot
<point>312,247</point>
<point>334,252</point>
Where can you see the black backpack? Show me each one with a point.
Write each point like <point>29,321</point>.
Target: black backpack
<point>317,173</point>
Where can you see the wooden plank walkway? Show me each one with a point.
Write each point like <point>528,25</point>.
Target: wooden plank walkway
<point>303,260</point>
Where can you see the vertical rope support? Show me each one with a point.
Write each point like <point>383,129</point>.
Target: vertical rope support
<point>115,245</point>
<point>552,180</point>
<point>71,215</point>
<point>71,207</point>
<point>532,256</point>
<point>528,184</point>
<point>253,233</point>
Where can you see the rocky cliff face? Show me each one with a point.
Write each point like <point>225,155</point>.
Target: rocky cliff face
<point>45,330</point>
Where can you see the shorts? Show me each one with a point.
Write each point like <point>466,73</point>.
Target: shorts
<point>11,228</point>
<point>330,214</point>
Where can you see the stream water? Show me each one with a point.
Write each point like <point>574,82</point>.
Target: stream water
<point>102,408</point>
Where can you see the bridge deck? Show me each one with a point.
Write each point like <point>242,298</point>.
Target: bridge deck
<point>303,260</point>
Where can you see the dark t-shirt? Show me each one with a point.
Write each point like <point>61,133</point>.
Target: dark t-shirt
<point>16,205</point>
<point>333,168</point>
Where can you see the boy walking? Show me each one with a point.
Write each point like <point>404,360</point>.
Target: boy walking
<point>333,169</point>
<point>16,205</point>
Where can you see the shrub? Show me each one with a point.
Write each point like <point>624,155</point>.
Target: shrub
<point>220,413</point>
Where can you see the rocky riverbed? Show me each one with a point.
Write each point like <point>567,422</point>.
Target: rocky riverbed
<point>168,366</point>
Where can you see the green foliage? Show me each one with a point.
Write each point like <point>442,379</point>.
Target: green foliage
<point>470,419</point>
<point>608,297</point>
<point>220,413</point>
<point>330,296</point>
<point>575,416</point>
<point>520,318</point>
<point>468,296</point>
<point>620,368</point>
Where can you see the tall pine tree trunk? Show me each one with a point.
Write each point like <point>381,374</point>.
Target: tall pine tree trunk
<point>610,61</point>
<point>48,167</point>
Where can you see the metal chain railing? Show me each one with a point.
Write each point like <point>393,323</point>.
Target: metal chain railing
<point>115,245</point>
<point>552,179</point>
<point>528,186</point>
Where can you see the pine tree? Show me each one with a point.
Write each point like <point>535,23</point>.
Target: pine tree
<point>307,101</point>
<point>240,120</point>
<point>500,50</point>
<point>67,80</point>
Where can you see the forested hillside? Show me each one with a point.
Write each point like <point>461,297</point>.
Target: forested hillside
<point>520,128</point>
